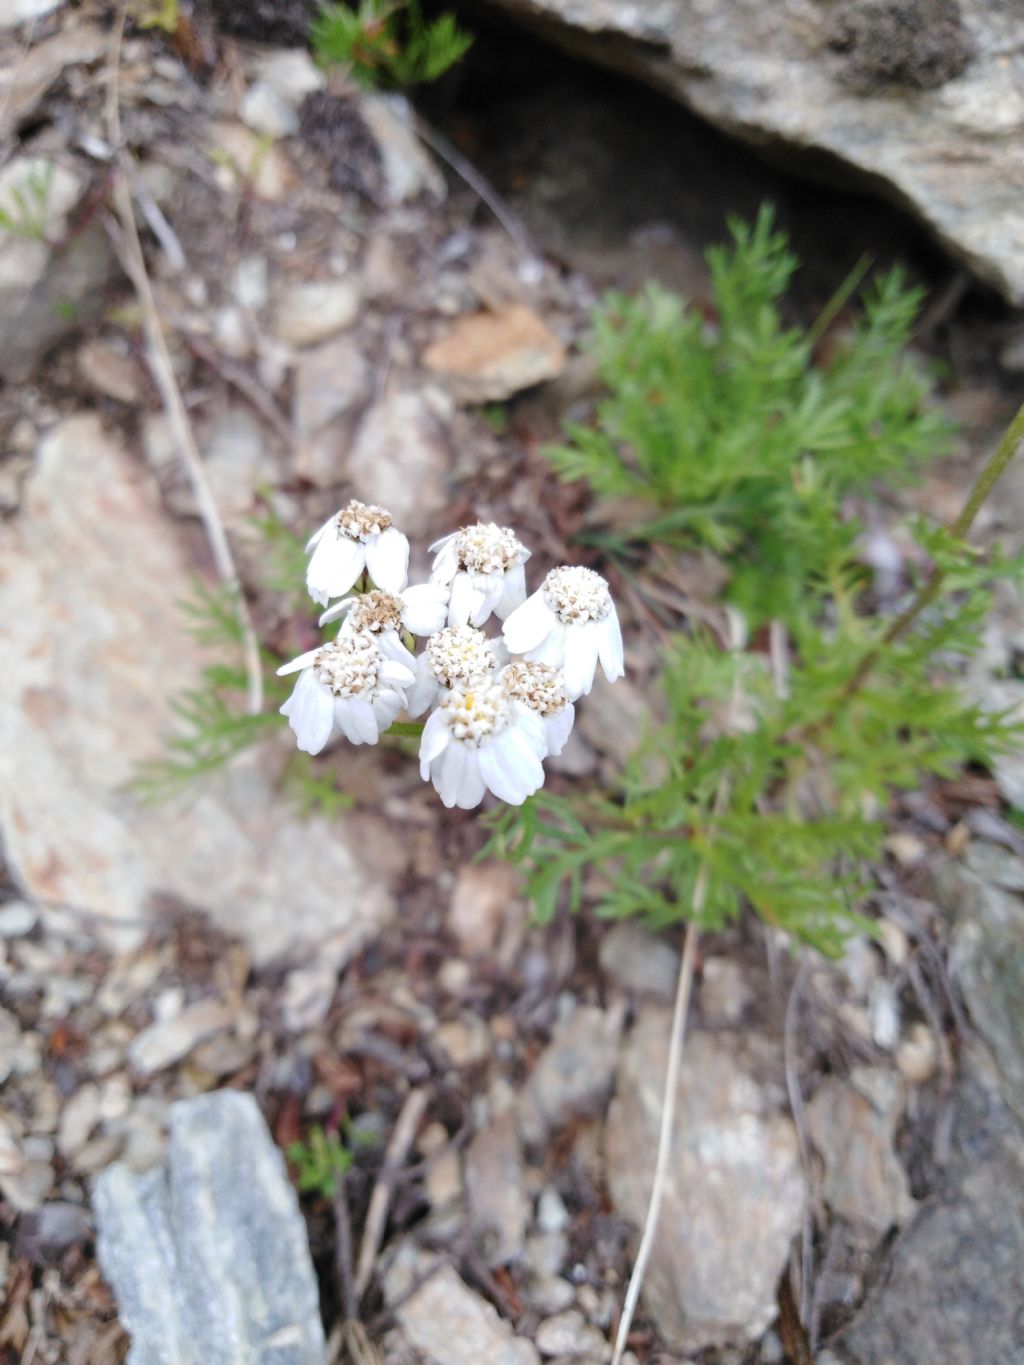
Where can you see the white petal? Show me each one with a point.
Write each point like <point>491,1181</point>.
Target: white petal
<point>558,728</point>
<point>487,590</point>
<point>317,536</point>
<point>529,624</point>
<point>610,647</point>
<point>303,661</point>
<point>472,787</point>
<point>336,612</point>
<point>336,564</point>
<point>448,772</point>
<point>423,692</point>
<point>392,648</point>
<point>387,558</point>
<point>310,712</point>
<point>531,726</point>
<point>433,742</point>
<point>513,592</point>
<point>462,600</point>
<point>346,721</point>
<point>446,564</point>
<point>388,705</point>
<point>581,647</point>
<point>440,544</point>
<point>551,649</point>
<point>365,721</point>
<point>510,767</point>
<point>393,672</point>
<point>425,608</point>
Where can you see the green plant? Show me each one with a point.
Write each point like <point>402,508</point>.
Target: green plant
<point>736,437</point>
<point>766,783</point>
<point>27,211</point>
<point>388,42</point>
<point>320,1161</point>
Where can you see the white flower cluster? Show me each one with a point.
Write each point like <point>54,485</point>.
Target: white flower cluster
<point>493,716</point>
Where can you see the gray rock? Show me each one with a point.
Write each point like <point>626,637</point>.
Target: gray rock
<point>988,961</point>
<point>291,73</point>
<point>14,12</point>
<point>919,97</point>
<point>45,1233</point>
<point>569,1334</point>
<point>311,311</point>
<point>264,110</point>
<point>952,1290</point>
<point>330,382</point>
<point>638,961</point>
<point>17,918</point>
<point>400,458</point>
<point>499,1207</point>
<point>442,1318</point>
<point>169,1040</point>
<point>852,1126</point>
<point>52,281</point>
<point>207,1256</point>
<point>573,1075</point>
<point>409,169</point>
<point>735,1189</point>
<point>78,1118</point>
<point>724,992</point>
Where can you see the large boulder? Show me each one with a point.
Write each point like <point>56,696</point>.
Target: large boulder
<point>94,652</point>
<point>920,99</point>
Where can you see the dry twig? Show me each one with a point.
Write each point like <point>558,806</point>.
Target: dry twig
<point>796,1104</point>
<point>376,1216</point>
<point>124,235</point>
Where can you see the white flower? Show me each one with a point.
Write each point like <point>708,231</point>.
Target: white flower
<point>484,565</point>
<point>356,538</point>
<point>349,685</point>
<point>478,739</point>
<point>455,655</point>
<point>569,623</point>
<point>541,689</point>
<point>420,610</point>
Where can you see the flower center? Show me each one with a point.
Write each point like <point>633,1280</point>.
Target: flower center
<point>360,521</point>
<point>459,653</point>
<point>577,595</point>
<point>350,666</point>
<point>538,686</point>
<point>375,611</point>
<point>477,711</point>
<point>486,548</point>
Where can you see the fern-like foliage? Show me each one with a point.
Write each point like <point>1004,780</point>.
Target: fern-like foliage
<point>388,42</point>
<point>732,431</point>
<point>741,439</point>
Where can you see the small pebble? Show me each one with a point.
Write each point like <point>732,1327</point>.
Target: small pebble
<point>917,1055</point>
<point>17,918</point>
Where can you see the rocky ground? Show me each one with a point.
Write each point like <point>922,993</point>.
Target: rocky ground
<point>345,318</point>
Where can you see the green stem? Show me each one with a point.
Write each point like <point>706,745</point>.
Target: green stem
<point>994,467</point>
<point>406,729</point>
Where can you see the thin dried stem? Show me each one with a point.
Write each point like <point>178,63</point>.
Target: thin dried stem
<point>129,249</point>
<point>668,1117</point>
<point>671,1092</point>
<point>376,1215</point>
<point>796,1104</point>
<point>476,182</point>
